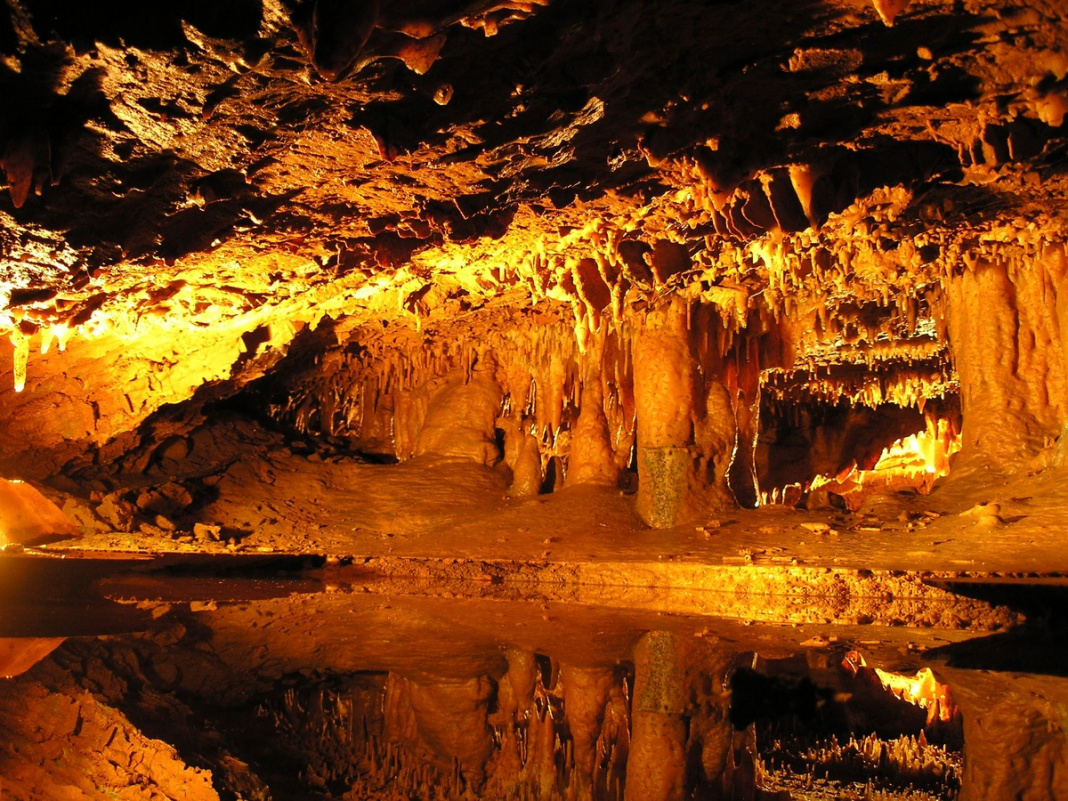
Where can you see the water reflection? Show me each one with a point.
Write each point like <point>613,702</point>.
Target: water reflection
<point>295,685</point>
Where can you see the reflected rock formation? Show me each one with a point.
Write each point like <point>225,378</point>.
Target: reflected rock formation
<point>578,399</point>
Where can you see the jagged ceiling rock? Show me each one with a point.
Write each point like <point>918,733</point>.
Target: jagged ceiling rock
<point>189,187</point>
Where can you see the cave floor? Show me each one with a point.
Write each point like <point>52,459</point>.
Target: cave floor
<point>282,559</point>
<point>432,521</point>
<point>269,495</point>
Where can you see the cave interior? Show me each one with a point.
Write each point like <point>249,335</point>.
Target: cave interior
<point>578,399</point>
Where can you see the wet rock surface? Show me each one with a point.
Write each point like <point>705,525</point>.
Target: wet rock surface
<point>277,682</point>
<point>745,314</point>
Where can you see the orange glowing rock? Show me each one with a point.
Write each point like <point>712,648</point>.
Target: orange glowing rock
<point>28,517</point>
<point>922,689</point>
<point>19,654</point>
<point>890,9</point>
<point>913,461</point>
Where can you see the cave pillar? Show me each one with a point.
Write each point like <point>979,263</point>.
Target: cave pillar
<point>656,767</point>
<point>664,398</point>
<point>461,418</point>
<point>592,460</point>
<point>1015,735</point>
<point>1004,329</point>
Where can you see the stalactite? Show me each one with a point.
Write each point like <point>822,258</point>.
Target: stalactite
<point>21,344</point>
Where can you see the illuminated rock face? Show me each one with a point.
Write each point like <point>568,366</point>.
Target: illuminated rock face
<point>692,255</point>
<point>1006,326</point>
<point>872,187</point>
<point>28,518</point>
<point>1029,765</point>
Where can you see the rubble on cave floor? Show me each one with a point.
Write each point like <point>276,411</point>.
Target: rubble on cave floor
<point>240,488</point>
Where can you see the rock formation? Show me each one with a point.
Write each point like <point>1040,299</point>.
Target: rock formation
<point>547,281</point>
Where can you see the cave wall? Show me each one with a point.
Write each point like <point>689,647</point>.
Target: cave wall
<point>859,200</point>
<point>1005,315</point>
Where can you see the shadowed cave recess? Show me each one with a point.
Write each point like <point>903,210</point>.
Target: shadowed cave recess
<point>538,399</point>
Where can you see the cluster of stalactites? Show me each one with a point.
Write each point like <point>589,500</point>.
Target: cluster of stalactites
<point>804,280</point>
<point>351,391</point>
<point>605,274</point>
<point>802,338</point>
<point>375,392</point>
<point>534,728</point>
<point>21,337</point>
<point>905,383</point>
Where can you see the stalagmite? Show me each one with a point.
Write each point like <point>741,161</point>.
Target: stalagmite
<point>451,719</point>
<point>460,420</point>
<point>527,475</point>
<point>516,689</point>
<point>591,459</point>
<point>716,436</point>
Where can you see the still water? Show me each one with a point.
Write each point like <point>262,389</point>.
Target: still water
<point>288,679</point>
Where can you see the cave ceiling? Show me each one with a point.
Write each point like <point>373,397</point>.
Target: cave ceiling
<point>242,166</point>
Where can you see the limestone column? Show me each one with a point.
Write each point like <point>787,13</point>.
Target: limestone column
<point>664,397</point>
